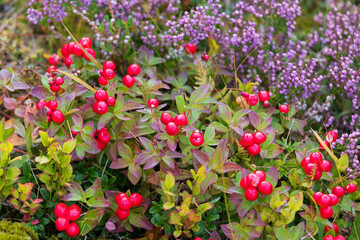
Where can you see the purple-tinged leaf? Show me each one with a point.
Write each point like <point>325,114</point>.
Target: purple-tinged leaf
<point>152,162</point>
<point>209,180</point>
<point>41,93</point>
<point>265,124</point>
<point>19,85</point>
<point>237,129</point>
<point>215,235</point>
<point>131,106</point>
<point>53,128</point>
<point>77,119</point>
<point>174,154</point>
<point>111,89</point>
<point>187,129</point>
<point>147,144</point>
<point>239,114</point>
<point>138,219</point>
<point>98,202</point>
<point>224,184</point>
<point>134,174</point>
<point>224,112</point>
<point>199,93</point>
<point>168,161</point>
<point>77,89</point>
<point>272,176</point>
<point>299,156</point>
<point>95,214</point>
<point>142,158</point>
<point>255,119</point>
<point>228,167</point>
<point>172,143</point>
<point>94,190</point>
<point>125,151</point>
<point>198,107</point>
<point>110,226</point>
<point>220,154</point>
<point>104,119</point>
<point>10,103</point>
<point>72,197</point>
<point>202,157</point>
<point>119,163</point>
<point>65,101</point>
<point>273,150</point>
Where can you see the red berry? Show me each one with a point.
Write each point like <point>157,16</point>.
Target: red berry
<point>51,69</point>
<point>53,59</point>
<point>180,120</point>
<point>136,199</point>
<point>338,191</point>
<point>190,48</point>
<point>101,95</point>
<point>334,227</point>
<point>322,148</point>
<point>52,104</point>
<point>68,61</point>
<point>51,82</point>
<point>243,144</point>
<point>55,88</point>
<point>251,194</point>
<point>165,118</point>
<point>326,212</point>
<point>70,47</point>
<point>351,188</point>
<point>325,166</point>
<point>119,197</point>
<point>91,52</point>
<point>128,81</point>
<point>111,101</point>
<point>339,237</point>
<point>102,81</point>
<point>284,108</point>
<point>77,50</point>
<point>73,230</point>
<point>254,149</point>
<point>60,210</point>
<point>243,183</point>
<point>316,157</point>
<point>334,199</point>
<point>61,224</point>
<point>259,137</point>
<point>196,139</point>
<point>108,74</point>
<point>331,136</point>
<point>265,188</point>
<point>122,215</point>
<point>57,116</point>
<point>64,50</point>
<point>328,237</point>
<point>134,70</point>
<point>100,107</point>
<point>59,81</point>
<point>171,129</point>
<point>153,103</point>
<point>40,104</point>
<point>324,201</point>
<point>317,196</point>
<point>109,65</point>
<point>74,212</point>
<point>264,96</point>
<point>305,161</point>
<point>74,133</point>
<point>266,103</point>
<point>317,175</point>
<point>204,56</point>
<point>261,175</point>
<point>124,204</point>
<point>248,139</point>
<point>252,99</point>
<point>252,180</point>
<point>198,238</point>
<point>86,42</point>
<point>104,137</point>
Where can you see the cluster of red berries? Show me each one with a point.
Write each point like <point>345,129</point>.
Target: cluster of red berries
<point>125,203</point>
<point>252,99</point>
<point>331,137</point>
<point>107,73</point>
<point>314,165</point>
<point>133,70</point>
<point>190,48</point>
<point>336,230</point>
<point>55,84</point>
<point>338,237</point>
<point>199,238</point>
<point>250,142</point>
<point>102,137</point>
<point>66,214</point>
<point>255,182</point>
<point>103,102</point>
<point>54,59</point>
<point>73,48</point>
<point>284,108</point>
<point>205,56</point>
<point>52,112</point>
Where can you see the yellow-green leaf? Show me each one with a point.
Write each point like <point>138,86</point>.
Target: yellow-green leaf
<point>69,146</point>
<point>343,162</point>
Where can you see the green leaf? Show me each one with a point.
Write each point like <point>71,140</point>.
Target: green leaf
<point>169,181</point>
<point>95,214</point>
<point>282,234</point>
<point>44,138</point>
<point>180,103</point>
<point>69,146</point>
<point>42,159</point>
<point>273,150</point>
<point>199,93</point>
<point>343,162</point>
<point>12,173</point>
<point>198,107</point>
<point>296,201</point>
<point>65,160</point>
<point>98,202</point>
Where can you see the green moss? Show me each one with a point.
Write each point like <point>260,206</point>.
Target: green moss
<point>16,231</point>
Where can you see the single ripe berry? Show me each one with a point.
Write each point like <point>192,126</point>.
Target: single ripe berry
<point>252,99</point>
<point>243,183</point>
<point>40,104</point>
<point>134,70</point>
<point>128,81</point>
<point>91,52</point>
<point>204,56</point>
<point>339,237</point>
<point>77,50</point>
<point>261,175</point>
<point>52,104</point>
<point>305,161</point>
<point>328,237</point>
<point>60,210</point>
<point>264,96</point>
<point>324,201</point>
<point>53,59</point>
<point>86,42</point>
<point>61,224</point>
<point>119,197</point>
<point>326,212</point>
<point>180,120</point>
<point>57,116</point>
<point>51,82</point>
<point>59,81</point>
<point>334,199</point>
<point>338,191</point>
<point>248,139</point>
<point>100,107</point>
<point>259,137</point>
<point>334,227</point>
<point>351,188</point>
<point>104,137</point>
<point>55,88</point>
<point>171,129</point>
<point>64,50</point>
<point>198,238</point>
<point>124,204</point>
<point>122,215</point>
<point>108,74</point>
<point>190,48</point>
<point>196,139</point>
<point>243,144</point>
<point>254,149</point>
<point>317,175</point>
<point>73,230</point>
<point>103,81</point>
<point>316,157</point>
<point>311,168</point>
<point>74,133</point>
<point>317,196</point>
<point>68,61</point>
<point>165,118</point>
<point>331,136</point>
<point>253,180</point>
<point>74,212</point>
<point>265,188</point>
<point>251,194</point>
<point>153,103</point>
<point>266,103</point>
<point>101,95</point>
<point>284,108</point>
<point>325,166</point>
<point>111,101</point>
<point>109,65</point>
<point>136,199</point>
<point>70,47</point>
<point>51,69</point>
<point>327,144</point>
